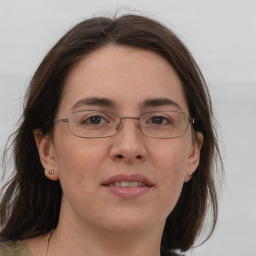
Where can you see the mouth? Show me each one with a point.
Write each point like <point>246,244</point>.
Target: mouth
<point>124,181</point>
<point>128,186</point>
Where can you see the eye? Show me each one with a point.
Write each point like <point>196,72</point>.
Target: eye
<point>95,120</point>
<point>159,120</point>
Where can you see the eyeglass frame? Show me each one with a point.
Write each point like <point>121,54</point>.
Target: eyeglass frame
<point>66,120</point>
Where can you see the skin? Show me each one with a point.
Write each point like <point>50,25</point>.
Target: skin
<point>93,221</point>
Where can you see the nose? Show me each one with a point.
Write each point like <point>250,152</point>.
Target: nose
<point>128,144</point>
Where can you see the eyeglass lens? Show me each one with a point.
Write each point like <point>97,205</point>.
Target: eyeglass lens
<point>101,124</point>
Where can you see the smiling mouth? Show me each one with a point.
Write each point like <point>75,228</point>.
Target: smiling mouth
<point>127,184</point>
<point>127,181</point>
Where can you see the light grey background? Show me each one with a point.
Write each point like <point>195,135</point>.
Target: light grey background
<point>222,37</point>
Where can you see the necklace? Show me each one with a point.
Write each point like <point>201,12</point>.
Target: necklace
<point>49,239</point>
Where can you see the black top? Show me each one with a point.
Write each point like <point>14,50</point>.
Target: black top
<point>169,253</point>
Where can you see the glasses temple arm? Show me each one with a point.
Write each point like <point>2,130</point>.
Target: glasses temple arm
<point>60,120</point>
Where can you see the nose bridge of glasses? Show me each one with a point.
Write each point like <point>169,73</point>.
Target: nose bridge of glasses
<point>123,118</point>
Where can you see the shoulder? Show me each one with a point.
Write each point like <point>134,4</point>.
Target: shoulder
<point>13,248</point>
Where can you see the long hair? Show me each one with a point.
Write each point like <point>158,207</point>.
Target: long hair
<point>30,203</point>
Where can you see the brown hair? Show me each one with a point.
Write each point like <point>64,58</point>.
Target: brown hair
<point>31,203</point>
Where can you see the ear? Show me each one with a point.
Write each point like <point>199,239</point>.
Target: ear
<point>194,156</point>
<point>47,155</point>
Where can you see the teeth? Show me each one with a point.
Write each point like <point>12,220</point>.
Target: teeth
<point>125,184</point>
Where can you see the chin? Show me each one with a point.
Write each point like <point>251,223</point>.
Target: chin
<point>129,228</point>
<point>131,223</point>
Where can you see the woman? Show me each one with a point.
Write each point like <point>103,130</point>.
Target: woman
<point>114,154</point>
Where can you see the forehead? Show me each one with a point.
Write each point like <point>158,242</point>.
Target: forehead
<point>127,76</point>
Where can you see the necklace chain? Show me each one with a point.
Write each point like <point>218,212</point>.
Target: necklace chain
<point>49,240</point>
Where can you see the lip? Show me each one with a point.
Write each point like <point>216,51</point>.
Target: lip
<point>129,178</point>
<point>128,192</point>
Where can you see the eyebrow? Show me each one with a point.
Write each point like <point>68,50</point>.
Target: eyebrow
<point>94,101</point>
<point>158,102</point>
<point>105,102</point>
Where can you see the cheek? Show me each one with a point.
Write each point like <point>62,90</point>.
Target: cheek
<point>78,163</point>
<point>171,159</point>
<point>170,162</point>
<point>172,174</point>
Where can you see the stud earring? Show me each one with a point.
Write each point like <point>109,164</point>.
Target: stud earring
<point>190,173</point>
<point>51,172</point>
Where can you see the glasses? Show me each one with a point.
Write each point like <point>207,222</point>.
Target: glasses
<point>103,124</point>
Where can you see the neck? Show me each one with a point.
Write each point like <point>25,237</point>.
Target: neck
<point>85,240</point>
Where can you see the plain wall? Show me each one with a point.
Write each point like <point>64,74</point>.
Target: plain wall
<point>222,37</point>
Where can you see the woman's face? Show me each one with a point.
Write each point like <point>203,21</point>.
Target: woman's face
<point>127,78</point>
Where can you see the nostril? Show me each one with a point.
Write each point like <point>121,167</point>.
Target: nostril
<point>123,157</point>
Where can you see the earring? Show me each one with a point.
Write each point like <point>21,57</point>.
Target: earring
<point>51,172</point>
<point>190,173</point>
